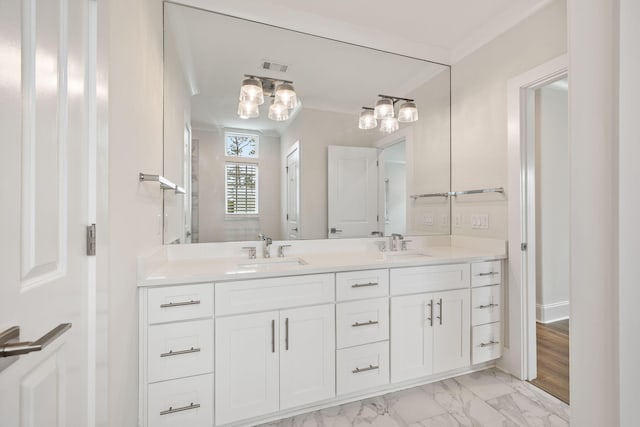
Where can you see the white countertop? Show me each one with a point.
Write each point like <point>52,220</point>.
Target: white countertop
<point>182,271</point>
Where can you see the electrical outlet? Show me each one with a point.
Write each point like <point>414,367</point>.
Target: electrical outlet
<point>457,220</point>
<point>444,220</point>
<point>484,221</point>
<point>428,220</point>
<point>480,221</point>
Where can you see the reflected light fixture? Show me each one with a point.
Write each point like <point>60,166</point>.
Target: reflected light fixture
<point>385,112</point>
<point>255,88</point>
<point>367,119</point>
<point>285,94</point>
<point>389,125</point>
<point>248,110</point>
<point>251,91</point>
<point>278,111</point>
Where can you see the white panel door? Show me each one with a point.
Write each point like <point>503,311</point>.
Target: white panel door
<point>45,180</point>
<point>293,193</point>
<point>412,324</point>
<point>307,356</point>
<point>352,191</point>
<point>452,331</point>
<point>246,373</point>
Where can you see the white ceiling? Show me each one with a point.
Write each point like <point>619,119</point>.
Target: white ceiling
<point>439,30</point>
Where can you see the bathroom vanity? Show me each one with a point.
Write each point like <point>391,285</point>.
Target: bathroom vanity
<point>237,341</point>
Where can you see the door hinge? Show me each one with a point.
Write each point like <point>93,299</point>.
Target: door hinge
<point>377,218</point>
<point>91,240</point>
<point>523,246</point>
<point>286,168</point>
<point>377,163</point>
<point>287,217</point>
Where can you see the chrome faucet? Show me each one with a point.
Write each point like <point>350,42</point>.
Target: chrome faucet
<point>266,245</point>
<point>395,238</point>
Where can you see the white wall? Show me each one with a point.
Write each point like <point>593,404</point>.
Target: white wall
<point>214,225</point>
<point>552,203</point>
<point>479,113</point>
<point>629,212</point>
<point>135,145</point>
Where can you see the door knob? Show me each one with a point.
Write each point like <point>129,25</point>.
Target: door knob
<point>9,348</point>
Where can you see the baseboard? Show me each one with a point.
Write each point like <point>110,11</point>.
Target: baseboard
<point>547,313</point>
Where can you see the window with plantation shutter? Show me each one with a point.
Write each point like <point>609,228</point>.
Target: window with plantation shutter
<point>241,181</point>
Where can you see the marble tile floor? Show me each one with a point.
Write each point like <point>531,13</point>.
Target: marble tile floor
<point>489,398</point>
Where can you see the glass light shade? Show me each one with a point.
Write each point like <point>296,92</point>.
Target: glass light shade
<point>384,108</point>
<point>278,111</point>
<point>367,120</point>
<point>286,95</point>
<point>389,125</point>
<point>408,112</point>
<point>248,110</point>
<point>251,91</point>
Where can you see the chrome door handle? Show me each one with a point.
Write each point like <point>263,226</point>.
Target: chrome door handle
<point>286,333</point>
<point>491,273</point>
<point>488,305</point>
<point>370,322</point>
<point>273,336</point>
<point>334,230</point>
<point>430,318</point>
<point>178,304</point>
<point>368,368</point>
<point>173,410</point>
<point>487,344</point>
<point>178,353</point>
<point>18,348</point>
<point>364,285</point>
<point>440,304</point>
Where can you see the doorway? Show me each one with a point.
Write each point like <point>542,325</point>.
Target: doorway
<point>549,221</point>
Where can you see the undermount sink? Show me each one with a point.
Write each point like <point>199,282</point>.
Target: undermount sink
<point>272,263</point>
<point>403,255</point>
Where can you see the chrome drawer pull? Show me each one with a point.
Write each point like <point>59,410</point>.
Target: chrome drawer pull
<point>487,344</point>
<point>488,305</point>
<point>177,353</point>
<point>491,273</point>
<point>364,285</point>
<point>370,322</point>
<point>178,304</point>
<point>172,410</point>
<point>369,368</point>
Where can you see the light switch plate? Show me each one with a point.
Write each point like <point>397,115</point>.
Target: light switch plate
<point>457,220</point>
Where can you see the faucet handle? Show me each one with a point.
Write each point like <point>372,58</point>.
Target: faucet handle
<point>382,245</point>
<point>252,251</point>
<point>281,250</point>
<point>403,244</point>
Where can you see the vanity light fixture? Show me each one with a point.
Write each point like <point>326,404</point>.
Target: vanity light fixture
<point>255,88</point>
<point>278,111</point>
<point>385,111</point>
<point>367,119</point>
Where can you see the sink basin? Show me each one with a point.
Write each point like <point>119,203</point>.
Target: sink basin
<point>403,255</point>
<point>267,264</point>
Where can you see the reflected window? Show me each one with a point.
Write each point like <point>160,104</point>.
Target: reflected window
<point>241,188</point>
<point>241,145</point>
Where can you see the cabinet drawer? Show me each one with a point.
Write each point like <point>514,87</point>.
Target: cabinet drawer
<point>487,342</point>
<point>486,273</point>
<point>485,305</point>
<point>362,284</point>
<point>177,350</point>
<point>183,402</point>
<point>413,280</point>
<point>362,367</point>
<point>272,294</point>
<point>362,322</point>
<point>184,302</point>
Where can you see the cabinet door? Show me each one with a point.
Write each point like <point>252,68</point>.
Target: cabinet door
<point>307,355</point>
<point>246,373</point>
<point>411,336</point>
<point>451,333</point>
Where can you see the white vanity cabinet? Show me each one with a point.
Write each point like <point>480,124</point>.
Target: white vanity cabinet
<point>275,360</point>
<point>486,311</point>
<point>176,356</point>
<point>429,334</point>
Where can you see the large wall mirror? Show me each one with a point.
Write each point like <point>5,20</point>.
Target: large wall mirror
<point>302,168</point>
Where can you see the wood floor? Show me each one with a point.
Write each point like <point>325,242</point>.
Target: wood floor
<point>553,358</point>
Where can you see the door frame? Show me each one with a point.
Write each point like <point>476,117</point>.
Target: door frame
<point>295,146</point>
<point>520,356</point>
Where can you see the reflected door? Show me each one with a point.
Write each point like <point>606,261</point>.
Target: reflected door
<point>293,193</point>
<point>352,191</point>
<point>45,180</point>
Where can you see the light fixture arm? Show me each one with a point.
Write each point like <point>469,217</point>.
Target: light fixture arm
<point>395,99</point>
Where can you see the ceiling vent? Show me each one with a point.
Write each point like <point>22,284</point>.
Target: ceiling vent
<point>274,66</point>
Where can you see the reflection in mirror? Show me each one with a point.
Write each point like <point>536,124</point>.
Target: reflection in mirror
<point>309,170</point>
